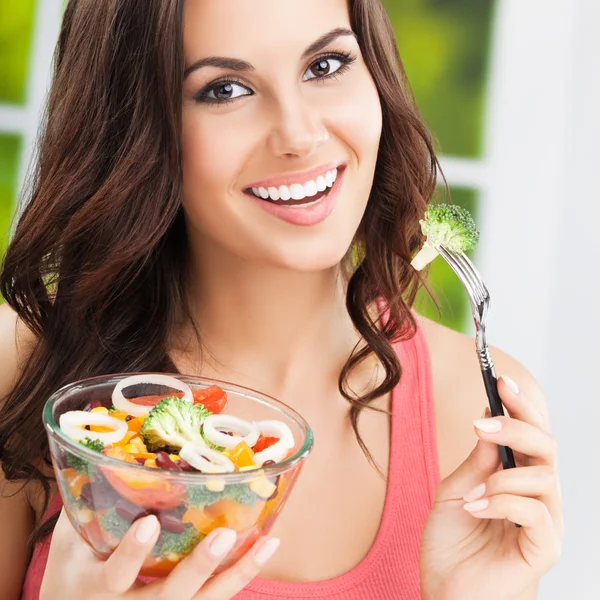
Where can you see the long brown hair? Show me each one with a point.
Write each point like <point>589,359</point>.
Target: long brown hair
<point>97,263</point>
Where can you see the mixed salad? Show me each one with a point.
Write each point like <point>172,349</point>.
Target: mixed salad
<point>182,431</point>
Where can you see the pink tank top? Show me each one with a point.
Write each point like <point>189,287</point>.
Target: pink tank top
<point>390,570</point>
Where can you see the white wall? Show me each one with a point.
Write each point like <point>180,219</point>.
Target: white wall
<point>541,254</point>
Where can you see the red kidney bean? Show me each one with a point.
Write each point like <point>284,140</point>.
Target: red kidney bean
<point>140,460</point>
<point>170,522</point>
<point>163,461</point>
<point>130,512</point>
<point>183,465</point>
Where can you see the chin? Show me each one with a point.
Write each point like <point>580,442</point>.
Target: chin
<point>311,257</point>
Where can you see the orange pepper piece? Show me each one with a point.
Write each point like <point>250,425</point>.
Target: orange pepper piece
<point>236,516</point>
<point>75,481</point>
<point>136,423</point>
<point>242,455</point>
<point>203,522</point>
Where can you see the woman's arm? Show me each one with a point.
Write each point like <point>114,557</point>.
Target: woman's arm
<point>16,514</point>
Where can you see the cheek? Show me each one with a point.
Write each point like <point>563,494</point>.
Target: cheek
<point>358,120</point>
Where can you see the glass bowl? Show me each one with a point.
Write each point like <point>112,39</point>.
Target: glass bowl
<point>103,496</point>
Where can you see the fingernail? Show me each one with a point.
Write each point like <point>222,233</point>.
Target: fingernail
<point>476,493</point>
<point>266,550</point>
<point>512,386</point>
<point>488,425</point>
<point>477,506</point>
<point>223,543</point>
<point>146,529</point>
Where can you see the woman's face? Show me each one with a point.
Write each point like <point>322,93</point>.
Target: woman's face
<point>281,127</point>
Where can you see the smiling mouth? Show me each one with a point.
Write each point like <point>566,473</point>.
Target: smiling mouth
<point>298,194</point>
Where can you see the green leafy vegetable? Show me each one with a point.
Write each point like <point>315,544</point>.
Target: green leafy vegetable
<point>114,524</point>
<point>172,423</point>
<point>200,496</point>
<point>177,543</point>
<point>82,464</point>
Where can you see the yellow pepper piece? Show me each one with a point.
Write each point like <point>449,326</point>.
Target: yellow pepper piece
<point>100,409</point>
<point>242,455</point>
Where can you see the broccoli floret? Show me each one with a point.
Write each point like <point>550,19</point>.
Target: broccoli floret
<point>200,496</point>
<point>177,543</point>
<point>172,423</point>
<point>114,523</point>
<point>445,225</point>
<point>81,464</point>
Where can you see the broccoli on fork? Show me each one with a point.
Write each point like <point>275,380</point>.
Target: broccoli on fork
<point>445,225</point>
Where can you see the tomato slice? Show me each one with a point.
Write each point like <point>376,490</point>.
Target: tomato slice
<point>145,490</point>
<point>152,400</point>
<point>213,398</point>
<point>264,442</point>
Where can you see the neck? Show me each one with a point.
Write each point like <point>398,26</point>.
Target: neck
<point>269,327</point>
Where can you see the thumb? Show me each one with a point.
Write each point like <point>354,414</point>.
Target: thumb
<point>483,461</point>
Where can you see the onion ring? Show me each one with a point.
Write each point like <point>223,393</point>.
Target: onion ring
<point>71,423</point>
<point>279,449</point>
<point>212,434</point>
<point>137,410</point>
<point>206,459</point>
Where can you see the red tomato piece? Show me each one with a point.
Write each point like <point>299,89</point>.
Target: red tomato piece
<point>264,442</point>
<point>152,400</point>
<point>212,398</point>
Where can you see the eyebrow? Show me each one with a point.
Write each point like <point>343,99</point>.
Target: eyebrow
<point>235,64</point>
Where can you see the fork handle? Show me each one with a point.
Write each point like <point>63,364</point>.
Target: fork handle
<point>491,388</point>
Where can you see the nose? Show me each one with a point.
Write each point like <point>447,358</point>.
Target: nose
<point>297,131</point>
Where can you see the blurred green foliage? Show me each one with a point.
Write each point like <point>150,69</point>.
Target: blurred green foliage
<point>16,25</point>
<point>444,46</point>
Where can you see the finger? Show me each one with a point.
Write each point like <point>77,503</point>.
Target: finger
<point>123,566</point>
<point>520,436</point>
<point>64,534</point>
<point>227,584</point>
<point>478,466</point>
<point>194,570</point>
<point>538,539</point>
<point>518,406</point>
<point>540,482</point>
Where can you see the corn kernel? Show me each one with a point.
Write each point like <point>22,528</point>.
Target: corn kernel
<point>215,485</point>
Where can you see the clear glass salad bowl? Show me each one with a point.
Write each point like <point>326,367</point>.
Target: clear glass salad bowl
<point>104,494</point>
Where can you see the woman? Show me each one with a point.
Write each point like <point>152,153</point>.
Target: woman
<point>160,236</point>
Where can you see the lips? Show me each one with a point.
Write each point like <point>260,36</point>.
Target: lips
<point>309,209</point>
<point>298,192</point>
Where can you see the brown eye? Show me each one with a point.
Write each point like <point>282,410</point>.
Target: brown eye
<point>224,92</point>
<point>320,68</point>
<point>326,67</point>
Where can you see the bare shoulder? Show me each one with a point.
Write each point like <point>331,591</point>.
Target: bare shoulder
<point>459,392</point>
<point>16,344</point>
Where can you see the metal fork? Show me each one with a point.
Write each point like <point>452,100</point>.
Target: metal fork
<point>479,298</point>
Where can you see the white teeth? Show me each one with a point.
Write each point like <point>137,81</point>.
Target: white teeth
<point>297,191</point>
<point>284,192</point>
<point>310,189</point>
